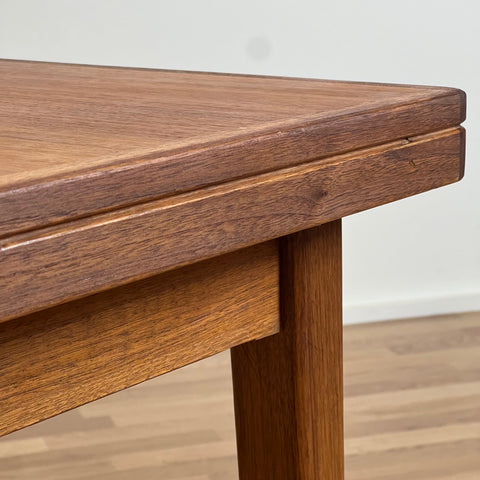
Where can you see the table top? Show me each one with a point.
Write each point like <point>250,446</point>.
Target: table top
<point>109,165</point>
<point>81,139</point>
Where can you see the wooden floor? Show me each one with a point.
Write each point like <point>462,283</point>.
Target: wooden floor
<point>412,406</point>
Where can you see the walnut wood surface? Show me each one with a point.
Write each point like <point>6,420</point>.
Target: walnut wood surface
<point>288,387</point>
<point>63,357</point>
<point>110,175</point>
<point>75,140</point>
<point>43,268</point>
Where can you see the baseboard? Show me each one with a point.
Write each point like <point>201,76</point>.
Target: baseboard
<point>411,307</point>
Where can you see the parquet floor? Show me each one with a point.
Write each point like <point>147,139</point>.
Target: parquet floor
<point>412,407</point>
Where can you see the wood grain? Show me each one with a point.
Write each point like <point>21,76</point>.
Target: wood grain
<point>288,387</point>
<point>421,402</point>
<point>60,358</point>
<point>109,176</point>
<point>43,268</point>
<point>76,140</point>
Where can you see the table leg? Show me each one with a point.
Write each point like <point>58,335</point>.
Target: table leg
<point>288,387</point>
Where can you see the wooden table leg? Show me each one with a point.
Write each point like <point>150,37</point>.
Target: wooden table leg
<point>288,387</point>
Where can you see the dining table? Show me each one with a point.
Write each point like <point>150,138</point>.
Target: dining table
<point>152,218</point>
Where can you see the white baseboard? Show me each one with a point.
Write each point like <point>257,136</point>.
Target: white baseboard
<point>411,307</point>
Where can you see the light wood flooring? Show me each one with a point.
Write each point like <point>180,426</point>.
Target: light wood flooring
<point>412,407</point>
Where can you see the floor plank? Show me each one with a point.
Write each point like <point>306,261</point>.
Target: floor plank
<point>412,410</point>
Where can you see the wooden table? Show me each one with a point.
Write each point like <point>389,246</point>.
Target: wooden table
<point>149,219</point>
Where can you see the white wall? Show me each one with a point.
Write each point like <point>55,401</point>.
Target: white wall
<point>419,256</point>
